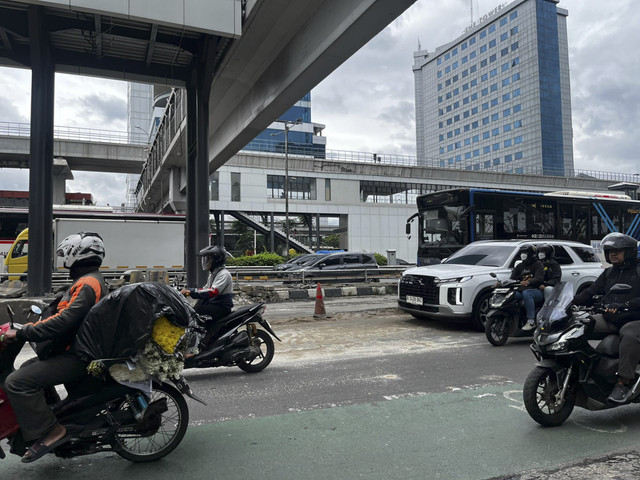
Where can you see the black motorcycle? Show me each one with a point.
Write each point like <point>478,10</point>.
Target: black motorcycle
<point>569,371</point>
<point>506,315</point>
<point>102,415</point>
<point>235,340</point>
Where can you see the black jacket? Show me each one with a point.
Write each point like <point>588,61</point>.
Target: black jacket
<point>533,271</point>
<point>626,273</point>
<point>552,273</point>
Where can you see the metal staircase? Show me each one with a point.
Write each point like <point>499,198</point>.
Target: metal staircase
<point>257,225</point>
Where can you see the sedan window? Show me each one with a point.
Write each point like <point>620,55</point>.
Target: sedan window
<point>488,256</point>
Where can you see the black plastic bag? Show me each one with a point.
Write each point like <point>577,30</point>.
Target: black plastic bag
<point>120,324</point>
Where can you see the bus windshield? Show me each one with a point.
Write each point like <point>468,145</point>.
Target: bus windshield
<point>443,225</point>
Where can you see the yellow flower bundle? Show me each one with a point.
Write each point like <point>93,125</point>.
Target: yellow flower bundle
<point>166,334</point>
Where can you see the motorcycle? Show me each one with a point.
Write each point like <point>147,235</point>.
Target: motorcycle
<point>506,315</point>
<point>140,423</point>
<point>569,371</point>
<point>235,340</point>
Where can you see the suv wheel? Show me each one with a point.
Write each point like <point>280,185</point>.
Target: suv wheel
<point>479,311</point>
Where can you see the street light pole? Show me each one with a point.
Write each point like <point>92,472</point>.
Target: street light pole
<point>287,126</point>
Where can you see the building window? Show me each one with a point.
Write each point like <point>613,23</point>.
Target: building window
<point>504,36</point>
<point>492,43</point>
<point>235,187</point>
<point>513,15</point>
<point>300,188</point>
<point>517,139</point>
<point>503,21</point>
<point>514,46</point>
<point>327,189</point>
<point>492,28</point>
<point>507,142</point>
<point>518,155</point>
<point>214,187</point>
<point>508,158</point>
<point>517,108</point>
<point>514,30</point>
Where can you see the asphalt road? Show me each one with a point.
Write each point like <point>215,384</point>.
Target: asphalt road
<point>373,394</point>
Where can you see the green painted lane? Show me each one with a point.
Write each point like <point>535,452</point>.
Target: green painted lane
<point>463,434</point>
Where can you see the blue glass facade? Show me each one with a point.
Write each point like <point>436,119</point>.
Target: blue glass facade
<point>299,143</point>
<point>550,95</point>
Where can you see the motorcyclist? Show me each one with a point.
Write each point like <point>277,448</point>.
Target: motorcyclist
<point>530,273</point>
<point>621,252</point>
<point>29,387</point>
<point>216,297</point>
<point>552,275</point>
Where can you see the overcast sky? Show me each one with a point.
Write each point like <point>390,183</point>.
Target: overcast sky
<point>367,104</point>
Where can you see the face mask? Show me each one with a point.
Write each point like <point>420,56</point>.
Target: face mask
<point>542,256</point>
<point>523,256</point>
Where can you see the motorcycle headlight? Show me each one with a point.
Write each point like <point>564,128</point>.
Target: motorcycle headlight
<point>559,346</point>
<point>439,281</point>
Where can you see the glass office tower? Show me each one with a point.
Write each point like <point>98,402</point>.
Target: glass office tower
<point>498,97</point>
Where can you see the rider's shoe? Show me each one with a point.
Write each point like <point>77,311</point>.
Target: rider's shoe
<point>530,325</point>
<point>620,394</point>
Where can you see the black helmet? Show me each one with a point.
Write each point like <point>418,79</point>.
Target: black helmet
<point>213,256</point>
<point>547,249</point>
<point>620,241</point>
<point>528,249</point>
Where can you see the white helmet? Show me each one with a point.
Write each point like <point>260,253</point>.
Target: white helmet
<point>81,247</point>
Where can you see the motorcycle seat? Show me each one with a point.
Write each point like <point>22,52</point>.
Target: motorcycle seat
<point>609,346</point>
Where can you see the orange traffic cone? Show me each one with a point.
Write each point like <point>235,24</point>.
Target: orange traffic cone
<point>320,311</point>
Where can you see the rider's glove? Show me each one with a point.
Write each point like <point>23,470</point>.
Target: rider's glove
<point>616,306</point>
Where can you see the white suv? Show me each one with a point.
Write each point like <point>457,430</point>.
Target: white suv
<point>460,286</point>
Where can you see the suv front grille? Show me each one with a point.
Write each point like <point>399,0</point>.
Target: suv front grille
<point>420,286</point>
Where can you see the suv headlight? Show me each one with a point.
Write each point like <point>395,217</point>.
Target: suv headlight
<point>440,281</point>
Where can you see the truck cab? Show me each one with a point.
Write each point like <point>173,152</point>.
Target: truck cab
<point>17,256</point>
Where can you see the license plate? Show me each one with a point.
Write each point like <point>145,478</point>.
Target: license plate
<point>414,300</point>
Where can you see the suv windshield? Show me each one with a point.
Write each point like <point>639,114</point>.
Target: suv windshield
<point>485,255</point>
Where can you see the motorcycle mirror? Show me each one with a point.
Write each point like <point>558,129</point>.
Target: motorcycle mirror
<point>36,309</point>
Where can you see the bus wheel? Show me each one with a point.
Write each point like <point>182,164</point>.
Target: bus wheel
<point>479,311</point>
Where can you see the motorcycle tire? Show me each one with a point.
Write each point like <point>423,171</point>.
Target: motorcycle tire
<point>496,329</point>
<point>173,425</point>
<point>539,395</point>
<point>267,350</point>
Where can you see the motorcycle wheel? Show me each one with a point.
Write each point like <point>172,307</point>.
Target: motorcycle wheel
<point>539,394</point>
<point>261,361</point>
<point>173,425</point>
<point>496,328</point>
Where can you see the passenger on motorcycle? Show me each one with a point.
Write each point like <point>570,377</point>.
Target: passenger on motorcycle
<point>530,273</point>
<point>216,297</point>
<point>621,252</point>
<point>31,388</point>
<point>552,270</point>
